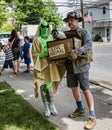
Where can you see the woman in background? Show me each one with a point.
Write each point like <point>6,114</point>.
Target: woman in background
<point>15,42</point>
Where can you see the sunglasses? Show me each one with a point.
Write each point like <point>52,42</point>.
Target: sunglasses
<point>42,26</point>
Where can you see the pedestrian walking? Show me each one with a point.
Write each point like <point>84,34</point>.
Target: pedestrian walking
<point>78,65</point>
<point>8,58</point>
<point>26,54</point>
<point>47,75</point>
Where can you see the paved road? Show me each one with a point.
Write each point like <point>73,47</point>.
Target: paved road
<point>101,67</point>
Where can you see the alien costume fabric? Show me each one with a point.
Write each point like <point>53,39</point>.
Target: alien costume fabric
<point>46,73</point>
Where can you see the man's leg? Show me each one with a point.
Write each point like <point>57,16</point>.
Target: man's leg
<point>84,84</point>
<point>77,96</point>
<point>80,110</point>
<point>90,102</point>
<point>76,93</point>
<point>72,82</point>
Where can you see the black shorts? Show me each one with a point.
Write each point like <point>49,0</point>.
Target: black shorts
<point>16,53</point>
<point>8,63</point>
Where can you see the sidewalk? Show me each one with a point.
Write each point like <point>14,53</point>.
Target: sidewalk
<point>102,43</point>
<point>23,85</point>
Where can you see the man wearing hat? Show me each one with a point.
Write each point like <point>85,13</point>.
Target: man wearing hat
<point>78,65</point>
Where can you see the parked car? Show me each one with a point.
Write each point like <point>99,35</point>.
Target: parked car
<point>4,36</point>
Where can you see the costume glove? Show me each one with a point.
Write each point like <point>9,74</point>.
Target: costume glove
<point>72,55</point>
<point>43,55</point>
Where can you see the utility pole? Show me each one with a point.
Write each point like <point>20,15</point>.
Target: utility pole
<point>82,13</point>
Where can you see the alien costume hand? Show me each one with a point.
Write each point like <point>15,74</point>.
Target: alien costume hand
<point>43,55</point>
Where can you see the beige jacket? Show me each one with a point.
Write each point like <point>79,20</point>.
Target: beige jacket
<point>45,72</point>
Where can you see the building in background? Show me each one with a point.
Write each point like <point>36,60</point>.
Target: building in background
<point>98,19</point>
<point>29,30</point>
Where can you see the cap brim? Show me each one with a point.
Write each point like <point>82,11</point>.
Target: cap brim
<point>65,19</point>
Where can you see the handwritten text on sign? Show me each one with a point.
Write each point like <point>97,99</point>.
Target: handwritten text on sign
<point>56,50</point>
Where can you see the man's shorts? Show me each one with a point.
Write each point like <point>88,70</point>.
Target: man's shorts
<point>8,63</point>
<point>27,60</point>
<point>81,79</point>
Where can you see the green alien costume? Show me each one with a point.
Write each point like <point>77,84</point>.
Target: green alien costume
<point>46,75</point>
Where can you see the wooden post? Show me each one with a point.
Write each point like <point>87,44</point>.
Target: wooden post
<point>82,13</point>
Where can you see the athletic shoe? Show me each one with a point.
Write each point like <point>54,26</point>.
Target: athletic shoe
<point>90,123</point>
<point>77,113</point>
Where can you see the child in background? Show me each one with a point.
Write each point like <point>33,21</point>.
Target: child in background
<point>26,54</point>
<point>8,58</point>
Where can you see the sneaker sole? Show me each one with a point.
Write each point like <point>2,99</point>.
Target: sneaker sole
<point>89,128</point>
<point>76,116</point>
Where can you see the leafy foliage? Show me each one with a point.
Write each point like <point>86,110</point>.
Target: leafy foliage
<point>34,10</point>
<point>3,14</point>
<point>7,28</point>
<point>29,12</point>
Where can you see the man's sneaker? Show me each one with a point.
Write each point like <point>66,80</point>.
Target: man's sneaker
<point>77,113</point>
<point>90,123</point>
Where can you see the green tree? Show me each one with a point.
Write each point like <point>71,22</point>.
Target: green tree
<point>34,10</point>
<point>50,13</point>
<point>3,14</point>
<point>7,28</point>
<point>10,1</point>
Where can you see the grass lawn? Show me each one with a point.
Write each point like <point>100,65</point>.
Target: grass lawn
<point>18,114</point>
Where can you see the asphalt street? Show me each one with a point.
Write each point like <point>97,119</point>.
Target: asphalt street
<point>101,67</point>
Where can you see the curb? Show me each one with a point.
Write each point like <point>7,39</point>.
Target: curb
<point>104,85</point>
<point>101,43</point>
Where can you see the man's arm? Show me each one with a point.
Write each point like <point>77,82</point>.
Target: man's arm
<point>87,42</point>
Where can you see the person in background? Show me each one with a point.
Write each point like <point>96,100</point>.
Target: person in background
<point>47,75</point>
<point>26,54</point>
<point>78,65</point>
<point>15,42</point>
<point>22,42</point>
<point>8,58</point>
